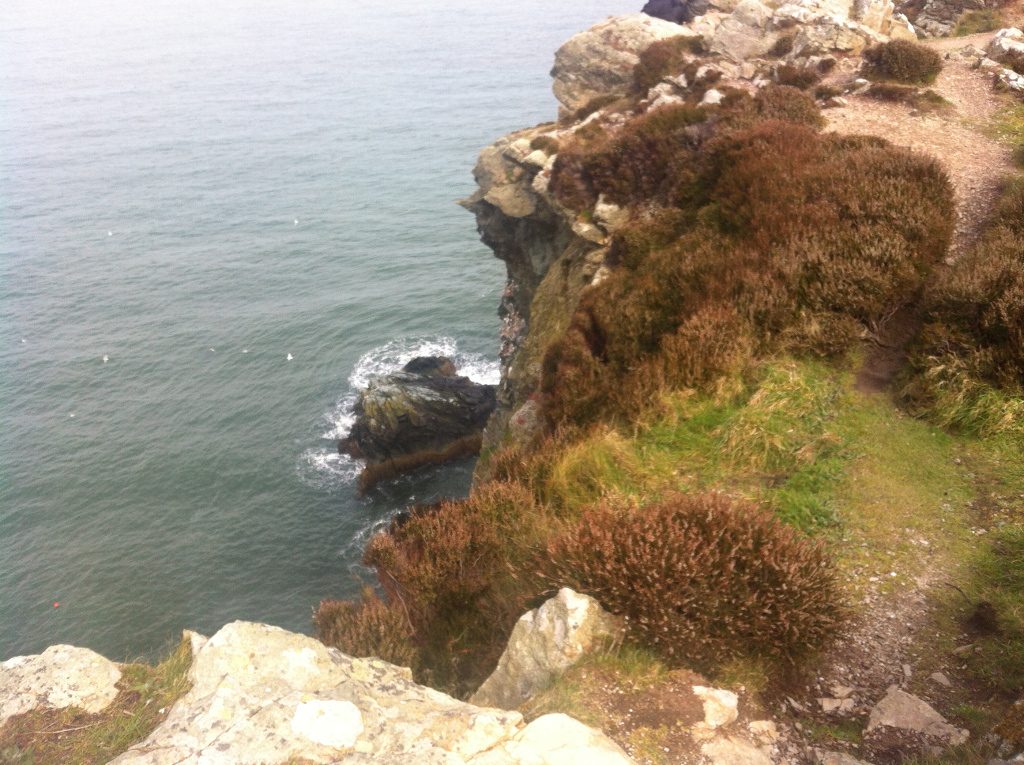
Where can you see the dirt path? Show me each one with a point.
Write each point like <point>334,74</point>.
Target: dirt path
<point>960,138</point>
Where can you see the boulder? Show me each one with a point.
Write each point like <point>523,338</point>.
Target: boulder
<point>1007,46</point>
<point>261,694</point>
<point>544,643</point>
<point>677,11</point>
<point>423,414</point>
<point>599,62</point>
<point>61,676</point>
<point>937,18</point>
<point>720,706</point>
<point>728,750</point>
<point>902,712</point>
<point>744,33</point>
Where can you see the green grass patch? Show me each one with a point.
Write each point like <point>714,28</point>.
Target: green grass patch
<point>72,737</point>
<point>975,22</point>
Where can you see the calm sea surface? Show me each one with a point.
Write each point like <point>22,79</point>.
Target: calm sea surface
<point>189,192</point>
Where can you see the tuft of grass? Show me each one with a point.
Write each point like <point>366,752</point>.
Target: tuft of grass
<point>72,737</point>
<point>982,20</point>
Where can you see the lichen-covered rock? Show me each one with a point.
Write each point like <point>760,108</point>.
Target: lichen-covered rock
<point>261,694</point>
<point>600,61</point>
<point>424,414</point>
<point>901,712</point>
<point>61,676</point>
<point>544,643</point>
<point>728,750</point>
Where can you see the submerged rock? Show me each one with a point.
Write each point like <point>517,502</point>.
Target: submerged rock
<point>61,676</point>
<point>261,694</point>
<point>424,414</point>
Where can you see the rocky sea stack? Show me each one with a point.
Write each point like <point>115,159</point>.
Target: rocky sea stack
<point>424,414</point>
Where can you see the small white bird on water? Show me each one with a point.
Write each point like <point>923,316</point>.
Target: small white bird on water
<point>245,350</point>
<point>106,358</point>
<point>296,221</point>
<point>213,350</point>
<point>289,357</point>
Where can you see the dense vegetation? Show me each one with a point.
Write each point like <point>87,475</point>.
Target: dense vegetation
<point>753,234</point>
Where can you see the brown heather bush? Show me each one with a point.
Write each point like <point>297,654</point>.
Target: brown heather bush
<point>546,143</point>
<point>800,77</point>
<point>664,58</point>
<point>449,568</point>
<point>976,310</point>
<point>639,162</point>
<point>702,579</point>
<point>902,61</point>
<point>368,627</point>
<point>808,240</point>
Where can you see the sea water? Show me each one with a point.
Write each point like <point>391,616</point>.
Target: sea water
<point>190,192</point>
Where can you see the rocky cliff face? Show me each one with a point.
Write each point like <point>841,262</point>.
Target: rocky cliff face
<point>552,254</point>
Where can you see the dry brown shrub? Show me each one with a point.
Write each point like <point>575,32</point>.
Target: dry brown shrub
<point>903,61</point>
<point>662,59</point>
<point>703,579</point>
<point>368,627</point>
<point>450,569</point>
<point>810,239</point>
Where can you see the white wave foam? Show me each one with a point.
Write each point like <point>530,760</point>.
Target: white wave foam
<point>383,360</point>
<point>326,468</point>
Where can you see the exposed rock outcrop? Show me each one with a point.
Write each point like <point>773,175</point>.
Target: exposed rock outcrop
<point>62,676</point>
<point>901,714</point>
<point>599,62</point>
<point>526,227</point>
<point>937,18</point>
<point>261,694</point>
<point>544,643</point>
<point>424,414</point>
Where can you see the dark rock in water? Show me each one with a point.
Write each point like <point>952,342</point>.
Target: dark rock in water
<point>679,11</point>
<point>425,414</point>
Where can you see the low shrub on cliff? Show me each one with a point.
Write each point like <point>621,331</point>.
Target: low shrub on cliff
<point>367,627</point>
<point>702,579</point>
<point>664,58</point>
<point>779,238</point>
<point>448,570</point>
<point>800,77</point>
<point>984,20</point>
<point>638,162</point>
<point>902,61</point>
<point>971,356</point>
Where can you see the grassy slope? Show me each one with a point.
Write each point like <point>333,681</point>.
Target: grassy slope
<point>904,505</point>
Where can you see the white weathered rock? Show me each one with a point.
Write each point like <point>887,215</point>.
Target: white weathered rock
<point>609,214</point>
<point>544,643</point>
<point>261,694</point>
<point>600,61</point>
<point>555,739</point>
<point>720,707</point>
<point>940,678</point>
<point>744,33</point>
<point>727,750</point>
<point>712,97</point>
<point>836,758</point>
<point>61,676</point>
<point>904,712</point>
<point>764,730</point>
